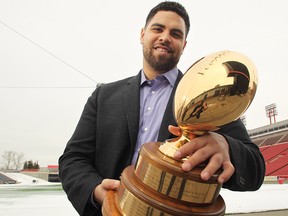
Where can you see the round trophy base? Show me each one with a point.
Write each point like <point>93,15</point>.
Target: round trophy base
<point>158,186</point>
<point>111,208</point>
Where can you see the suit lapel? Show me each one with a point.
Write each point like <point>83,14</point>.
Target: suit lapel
<point>168,117</point>
<point>131,98</point>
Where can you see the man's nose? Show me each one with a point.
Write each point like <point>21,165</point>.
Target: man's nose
<point>165,37</point>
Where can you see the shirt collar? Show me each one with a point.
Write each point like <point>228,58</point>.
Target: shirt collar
<point>171,76</point>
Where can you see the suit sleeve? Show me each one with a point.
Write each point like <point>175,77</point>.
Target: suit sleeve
<point>245,156</point>
<point>76,166</point>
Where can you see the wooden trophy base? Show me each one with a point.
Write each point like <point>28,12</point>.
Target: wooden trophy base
<point>157,186</point>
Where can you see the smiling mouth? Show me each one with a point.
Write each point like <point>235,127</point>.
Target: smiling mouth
<point>163,49</point>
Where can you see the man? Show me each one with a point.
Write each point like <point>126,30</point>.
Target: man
<point>119,117</point>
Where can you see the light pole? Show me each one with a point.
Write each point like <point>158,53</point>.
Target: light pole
<point>271,112</point>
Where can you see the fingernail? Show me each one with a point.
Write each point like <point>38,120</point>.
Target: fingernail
<point>116,184</point>
<point>177,154</point>
<point>205,175</point>
<point>221,180</point>
<point>186,166</point>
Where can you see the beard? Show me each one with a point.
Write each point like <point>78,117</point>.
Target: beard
<point>160,63</point>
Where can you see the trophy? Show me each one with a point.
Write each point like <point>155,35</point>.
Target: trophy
<point>214,91</point>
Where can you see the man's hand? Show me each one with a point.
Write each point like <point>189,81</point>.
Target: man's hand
<point>211,147</point>
<point>100,191</point>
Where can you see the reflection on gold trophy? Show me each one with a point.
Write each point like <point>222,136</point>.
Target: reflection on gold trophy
<point>214,91</point>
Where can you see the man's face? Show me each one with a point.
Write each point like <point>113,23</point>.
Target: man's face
<point>163,41</point>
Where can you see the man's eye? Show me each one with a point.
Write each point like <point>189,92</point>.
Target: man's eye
<point>157,29</point>
<point>177,35</point>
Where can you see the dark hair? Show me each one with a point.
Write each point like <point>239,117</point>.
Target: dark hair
<point>170,6</point>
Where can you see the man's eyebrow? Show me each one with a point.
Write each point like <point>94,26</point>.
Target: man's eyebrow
<point>158,25</point>
<point>163,26</point>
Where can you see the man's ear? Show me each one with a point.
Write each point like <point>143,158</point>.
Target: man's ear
<point>185,43</point>
<point>142,35</point>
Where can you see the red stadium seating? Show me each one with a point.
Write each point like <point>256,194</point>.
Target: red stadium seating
<point>276,158</point>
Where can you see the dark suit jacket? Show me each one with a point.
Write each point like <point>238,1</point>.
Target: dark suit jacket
<point>104,142</point>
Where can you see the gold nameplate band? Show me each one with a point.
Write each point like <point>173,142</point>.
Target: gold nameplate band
<point>158,175</point>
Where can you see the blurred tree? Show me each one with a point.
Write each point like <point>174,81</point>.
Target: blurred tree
<point>25,166</point>
<point>17,160</point>
<point>31,165</point>
<point>36,165</point>
<point>12,159</point>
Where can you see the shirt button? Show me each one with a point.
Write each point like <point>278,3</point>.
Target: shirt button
<point>145,129</point>
<point>153,92</point>
<point>149,108</point>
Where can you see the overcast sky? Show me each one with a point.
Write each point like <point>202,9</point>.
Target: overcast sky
<point>54,52</point>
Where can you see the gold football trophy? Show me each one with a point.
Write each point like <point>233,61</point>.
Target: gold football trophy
<point>214,91</point>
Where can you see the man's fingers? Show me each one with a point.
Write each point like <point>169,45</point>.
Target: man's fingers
<point>110,184</point>
<point>174,130</point>
<point>214,164</point>
<point>100,191</point>
<point>189,148</point>
<point>196,151</point>
<point>211,147</point>
<point>228,170</point>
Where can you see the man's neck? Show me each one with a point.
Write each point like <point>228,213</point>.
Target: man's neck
<point>150,72</point>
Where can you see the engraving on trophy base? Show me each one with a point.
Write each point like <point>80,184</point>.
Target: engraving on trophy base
<point>164,175</point>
